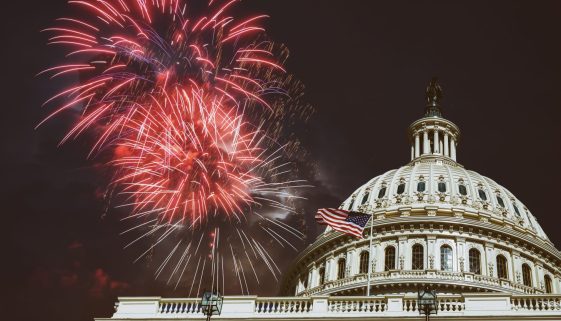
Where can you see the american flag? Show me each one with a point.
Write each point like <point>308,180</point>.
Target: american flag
<point>348,222</point>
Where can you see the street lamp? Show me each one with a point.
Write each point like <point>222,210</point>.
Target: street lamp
<point>211,303</point>
<point>427,302</point>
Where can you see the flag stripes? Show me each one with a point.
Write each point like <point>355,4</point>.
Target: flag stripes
<point>348,222</point>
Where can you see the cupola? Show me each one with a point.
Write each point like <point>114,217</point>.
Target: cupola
<point>434,138</point>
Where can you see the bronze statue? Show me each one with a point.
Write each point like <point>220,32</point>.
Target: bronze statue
<point>433,92</point>
<point>433,95</point>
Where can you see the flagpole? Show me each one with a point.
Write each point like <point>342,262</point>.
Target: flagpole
<point>370,257</point>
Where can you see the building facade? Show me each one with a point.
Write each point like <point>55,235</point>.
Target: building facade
<point>434,224</point>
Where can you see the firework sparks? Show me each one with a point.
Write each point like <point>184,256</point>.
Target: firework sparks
<point>181,104</point>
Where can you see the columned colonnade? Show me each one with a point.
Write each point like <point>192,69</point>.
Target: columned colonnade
<point>435,140</point>
<point>432,254</point>
<point>434,136</point>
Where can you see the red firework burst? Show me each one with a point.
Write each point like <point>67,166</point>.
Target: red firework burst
<point>167,92</point>
<point>184,157</point>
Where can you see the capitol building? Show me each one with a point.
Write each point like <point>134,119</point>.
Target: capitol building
<point>434,224</point>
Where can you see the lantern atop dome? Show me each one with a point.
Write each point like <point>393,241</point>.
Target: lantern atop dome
<point>433,138</point>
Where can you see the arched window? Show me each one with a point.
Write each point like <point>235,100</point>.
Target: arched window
<point>474,261</point>
<point>418,257</point>
<point>442,187</point>
<point>531,223</point>
<point>341,266</point>
<point>482,194</point>
<point>463,190</point>
<point>502,269</point>
<point>365,197</point>
<point>500,201</point>
<point>363,264</point>
<point>516,210</point>
<point>350,208</point>
<point>382,192</point>
<point>421,186</point>
<point>548,285</point>
<point>305,281</point>
<point>401,188</point>
<point>526,275</point>
<point>446,258</point>
<point>389,258</point>
<point>321,276</point>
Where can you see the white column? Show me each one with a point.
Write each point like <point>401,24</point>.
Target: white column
<point>313,279</point>
<point>460,253</point>
<point>417,145</point>
<point>378,254</point>
<point>330,269</point>
<point>513,266</point>
<point>516,267</point>
<point>431,251</point>
<point>402,253</point>
<point>452,148</point>
<point>426,146</point>
<point>446,149</point>
<point>300,287</point>
<point>539,276</point>
<point>351,262</point>
<point>490,259</point>
<point>435,142</point>
<point>412,151</point>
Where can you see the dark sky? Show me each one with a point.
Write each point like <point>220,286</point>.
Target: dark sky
<point>365,65</point>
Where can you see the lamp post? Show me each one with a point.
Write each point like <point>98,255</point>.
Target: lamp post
<point>211,303</point>
<point>427,302</point>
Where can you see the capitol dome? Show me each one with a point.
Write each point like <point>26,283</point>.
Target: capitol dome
<point>435,224</point>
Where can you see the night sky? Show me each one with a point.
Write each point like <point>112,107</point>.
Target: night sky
<point>365,65</point>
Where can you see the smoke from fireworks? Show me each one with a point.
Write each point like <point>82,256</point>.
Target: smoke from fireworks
<point>190,107</point>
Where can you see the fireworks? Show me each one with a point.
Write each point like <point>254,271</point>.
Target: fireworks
<point>182,104</point>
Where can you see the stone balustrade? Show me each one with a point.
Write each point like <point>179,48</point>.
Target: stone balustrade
<point>338,307</point>
<point>536,303</point>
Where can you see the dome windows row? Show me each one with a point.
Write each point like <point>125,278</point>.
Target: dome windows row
<point>442,189</point>
<point>418,260</point>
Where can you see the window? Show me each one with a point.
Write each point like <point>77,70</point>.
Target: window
<point>463,189</point>
<point>442,187</point>
<point>321,276</point>
<point>500,201</point>
<point>547,281</point>
<point>482,194</point>
<point>446,258</point>
<point>305,281</point>
<point>502,270</point>
<point>530,223</point>
<point>516,210</point>
<point>363,266</point>
<point>474,261</point>
<point>526,275</point>
<point>421,186</point>
<point>365,197</point>
<point>389,258</point>
<point>341,266</point>
<point>350,208</point>
<point>417,257</point>
<point>401,188</point>
<point>382,192</point>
